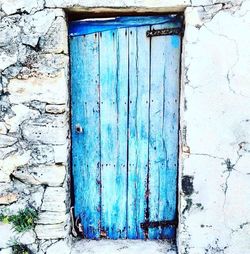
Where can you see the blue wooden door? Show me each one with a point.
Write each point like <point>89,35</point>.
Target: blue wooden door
<point>125,96</point>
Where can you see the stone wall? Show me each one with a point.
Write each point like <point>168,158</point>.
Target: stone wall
<point>34,121</point>
<point>214,170</point>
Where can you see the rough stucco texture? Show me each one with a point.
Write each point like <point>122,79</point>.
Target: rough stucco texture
<point>214,168</point>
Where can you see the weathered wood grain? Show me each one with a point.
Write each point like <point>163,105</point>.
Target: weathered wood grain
<point>113,96</point>
<point>138,129</point>
<point>85,145</point>
<point>163,146</point>
<point>125,90</point>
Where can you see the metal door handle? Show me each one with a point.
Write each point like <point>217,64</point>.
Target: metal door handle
<point>79,128</point>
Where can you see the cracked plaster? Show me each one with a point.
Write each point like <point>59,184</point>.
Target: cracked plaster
<point>215,137</point>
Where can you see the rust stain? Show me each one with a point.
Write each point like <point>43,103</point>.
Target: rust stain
<point>103,233</point>
<point>186,150</point>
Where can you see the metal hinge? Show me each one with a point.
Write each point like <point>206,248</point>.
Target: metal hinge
<point>156,224</point>
<point>165,31</point>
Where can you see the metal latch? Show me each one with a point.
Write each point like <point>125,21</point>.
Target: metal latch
<point>165,31</point>
<point>77,228</point>
<point>156,224</point>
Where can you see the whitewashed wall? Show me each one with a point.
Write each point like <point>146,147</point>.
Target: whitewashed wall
<point>215,120</point>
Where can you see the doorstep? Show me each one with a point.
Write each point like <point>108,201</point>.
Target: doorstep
<point>122,247</point>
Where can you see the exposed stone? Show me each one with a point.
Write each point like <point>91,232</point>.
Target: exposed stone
<point>55,41</point>
<point>9,30</point>
<point>47,217</point>
<point>6,199</point>
<point>13,6</point>
<point>5,106</point>
<point>61,153</point>
<point>12,71</point>
<point>28,196</point>
<point>6,141</point>
<point>9,164</point>
<point>55,109</point>
<point>27,238</point>
<point>35,26</point>
<point>58,247</point>
<point>7,59</point>
<point>52,129</point>
<point>7,151</point>
<point>51,231</point>
<point>43,65</point>
<point>41,154</point>
<point>21,113</point>
<point>3,129</point>
<point>46,175</point>
<point>8,234</point>
<point>54,199</point>
<point>38,105</point>
<point>50,90</point>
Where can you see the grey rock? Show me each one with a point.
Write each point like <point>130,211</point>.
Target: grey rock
<point>46,175</point>
<point>55,40</point>
<point>7,234</point>
<point>8,198</point>
<point>7,151</point>
<point>41,154</point>
<point>13,6</point>
<point>47,217</point>
<point>51,231</point>
<point>40,86</point>
<point>21,113</point>
<point>7,57</point>
<point>61,153</point>
<point>5,107</point>
<point>38,105</point>
<point>30,196</point>
<point>3,129</point>
<point>9,30</point>
<point>55,109</point>
<point>6,141</point>
<point>54,199</point>
<point>35,26</point>
<point>46,129</point>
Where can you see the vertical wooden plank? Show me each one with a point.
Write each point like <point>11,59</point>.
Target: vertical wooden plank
<point>85,145</point>
<point>163,131</point>
<point>138,129</point>
<point>114,90</point>
<point>171,119</point>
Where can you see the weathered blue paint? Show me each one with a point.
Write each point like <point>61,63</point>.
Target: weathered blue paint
<point>139,59</point>
<point>113,97</point>
<point>85,145</point>
<point>163,131</point>
<point>88,26</point>
<point>125,90</point>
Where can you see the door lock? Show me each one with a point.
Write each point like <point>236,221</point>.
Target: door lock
<point>79,128</point>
